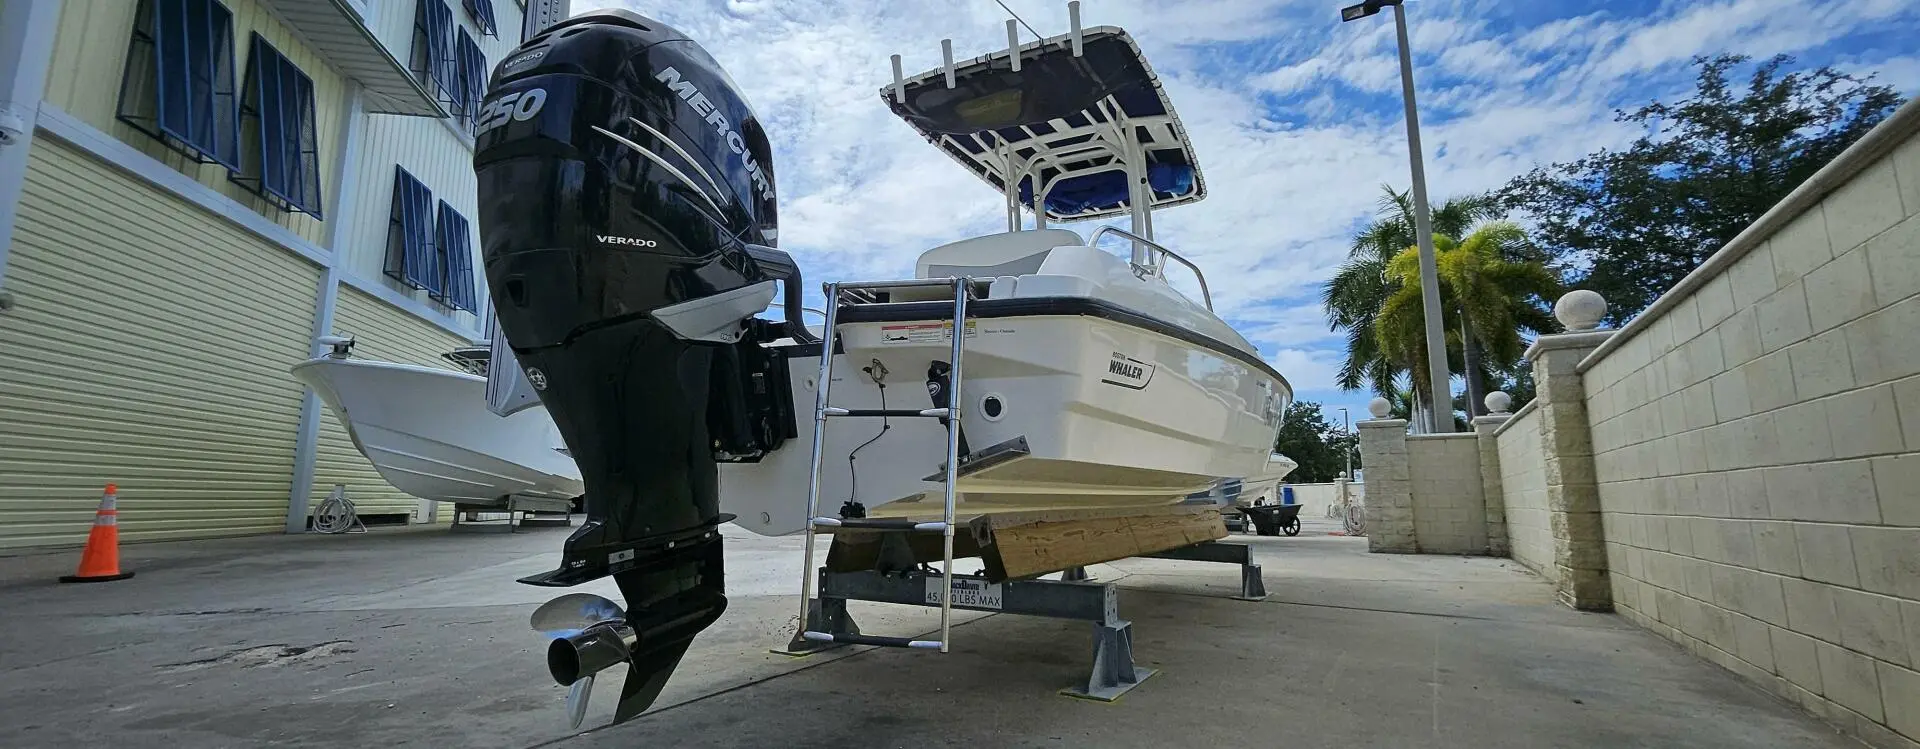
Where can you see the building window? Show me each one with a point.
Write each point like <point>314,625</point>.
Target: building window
<point>410,228</point>
<point>434,61</point>
<point>178,85</point>
<point>482,13</point>
<point>277,103</point>
<point>473,81</point>
<point>456,258</point>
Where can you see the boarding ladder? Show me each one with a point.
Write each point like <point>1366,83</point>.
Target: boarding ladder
<point>949,415</point>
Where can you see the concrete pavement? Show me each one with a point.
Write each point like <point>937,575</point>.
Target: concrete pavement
<point>416,637</point>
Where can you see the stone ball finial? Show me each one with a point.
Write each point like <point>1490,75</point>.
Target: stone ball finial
<point>1580,309</point>
<point>1498,402</point>
<point>1380,408</point>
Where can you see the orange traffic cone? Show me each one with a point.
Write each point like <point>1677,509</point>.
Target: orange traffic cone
<point>100,562</point>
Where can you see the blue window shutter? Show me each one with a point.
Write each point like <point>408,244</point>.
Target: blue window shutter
<point>433,24</point>
<point>280,98</point>
<point>178,83</point>
<point>482,13</point>
<point>473,79</point>
<point>456,256</point>
<point>411,258</point>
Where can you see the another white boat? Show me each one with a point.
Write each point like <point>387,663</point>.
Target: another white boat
<point>1258,489</point>
<point>1263,488</point>
<point>429,433</point>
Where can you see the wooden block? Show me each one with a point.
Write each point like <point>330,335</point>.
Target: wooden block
<point>1019,545</point>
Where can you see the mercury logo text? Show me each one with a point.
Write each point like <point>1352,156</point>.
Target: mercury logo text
<point>704,107</point>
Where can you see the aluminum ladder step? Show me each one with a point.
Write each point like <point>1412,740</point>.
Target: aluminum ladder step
<point>882,524</point>
<point>932,413</point>
<point>885,642</point>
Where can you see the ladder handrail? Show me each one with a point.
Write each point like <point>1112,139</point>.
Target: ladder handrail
<point>1205,293</point>
<point>960,294</point>
<point>962,291</point>
<point>824,384</point>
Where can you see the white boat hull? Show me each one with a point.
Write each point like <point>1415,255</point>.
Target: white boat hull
<point>1112,415</point>
<point>430,434</point>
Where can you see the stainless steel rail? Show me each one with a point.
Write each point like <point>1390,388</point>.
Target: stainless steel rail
<point>1205,292</point>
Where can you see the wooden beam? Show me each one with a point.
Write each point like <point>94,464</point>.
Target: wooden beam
<point>1021,545</point>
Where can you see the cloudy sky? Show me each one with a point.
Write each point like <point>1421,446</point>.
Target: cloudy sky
<point>1295,116</point>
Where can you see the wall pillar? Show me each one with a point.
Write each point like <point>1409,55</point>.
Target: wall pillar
<point>1566,440</point>
<point>1389,503</point>
<point>27,31</point>
<point>1491,488</point>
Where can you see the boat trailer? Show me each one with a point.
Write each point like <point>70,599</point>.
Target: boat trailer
<point>1074,596</point>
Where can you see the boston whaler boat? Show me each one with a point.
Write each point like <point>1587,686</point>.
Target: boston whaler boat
<point>628,215</point>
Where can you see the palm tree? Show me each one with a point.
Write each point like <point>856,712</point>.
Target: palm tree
<point>1362,285</point>
<point>1488,300</point>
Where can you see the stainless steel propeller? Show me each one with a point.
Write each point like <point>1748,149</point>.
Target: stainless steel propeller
<point>588,634</point>
<point>573,613</point>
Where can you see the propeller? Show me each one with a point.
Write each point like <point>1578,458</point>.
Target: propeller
<point>573,613</point>
<point>577,702</point>
<point>588,633</point>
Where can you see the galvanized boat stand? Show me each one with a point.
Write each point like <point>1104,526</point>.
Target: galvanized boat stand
<point>1252,587</point>
<point>1073,597</point>
<point>1113,669</point>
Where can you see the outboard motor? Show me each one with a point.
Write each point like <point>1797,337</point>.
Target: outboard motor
<point>627,219</point>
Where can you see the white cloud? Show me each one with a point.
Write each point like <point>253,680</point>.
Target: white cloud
<point>1295,116</point>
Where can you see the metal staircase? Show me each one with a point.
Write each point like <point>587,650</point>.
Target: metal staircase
<point>948,414</point>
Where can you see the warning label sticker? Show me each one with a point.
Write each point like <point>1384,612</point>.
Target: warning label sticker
<point>922,332</point>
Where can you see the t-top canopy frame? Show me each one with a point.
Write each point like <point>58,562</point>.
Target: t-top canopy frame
<point>1060,112</point>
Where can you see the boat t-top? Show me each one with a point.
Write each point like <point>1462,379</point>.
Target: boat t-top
<point>628,215</point>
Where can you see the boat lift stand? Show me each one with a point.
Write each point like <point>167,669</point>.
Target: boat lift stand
<point>1114,672</point>
<point>1075,596</point>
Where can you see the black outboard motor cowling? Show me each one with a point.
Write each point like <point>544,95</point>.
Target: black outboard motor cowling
<point>627,216</point>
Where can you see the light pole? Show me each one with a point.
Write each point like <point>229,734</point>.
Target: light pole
<point>1439,378</point>
<point>1346,425</point>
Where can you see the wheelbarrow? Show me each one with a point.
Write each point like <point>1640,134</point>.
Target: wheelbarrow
<point>1273,520</point>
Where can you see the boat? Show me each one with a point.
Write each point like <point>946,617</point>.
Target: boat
<point>429,433</point>
<point>1261,488</point>
<point>1244,491</point>
<point>628,218</point>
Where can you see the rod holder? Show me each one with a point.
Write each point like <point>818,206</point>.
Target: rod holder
<point>946,54</point>
<point>1073,24</point>
<point>1013,43</point>
<point>899,82</point>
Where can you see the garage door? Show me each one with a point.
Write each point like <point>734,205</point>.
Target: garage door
<point>149,347</point>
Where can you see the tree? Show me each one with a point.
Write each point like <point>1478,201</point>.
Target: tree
<point>1487,302</point>
<point>1361,286</point>
<point>1706,168</point>
<point>1308,440</point>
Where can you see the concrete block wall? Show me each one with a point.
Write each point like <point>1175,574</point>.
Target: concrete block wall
<point>1523,485</point>
<point>1425,494</point>
<point>1449,506</point>
<point>1492,495</point>
<point>1390,528</point>
<point>1756,443</point>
